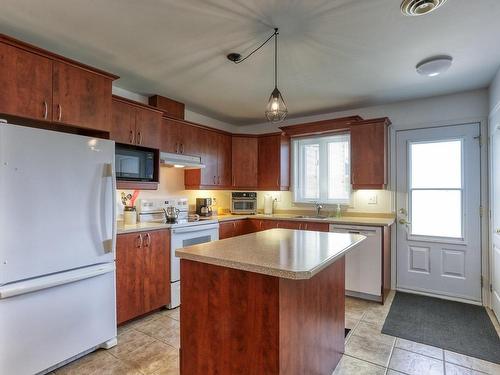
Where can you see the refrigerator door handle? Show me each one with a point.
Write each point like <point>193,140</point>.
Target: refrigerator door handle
<point>109,244</point>
<point>51,281</point>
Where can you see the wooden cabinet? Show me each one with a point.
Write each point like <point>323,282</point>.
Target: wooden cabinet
<point>234,228</point>
<point>40,85</point>
<point>245,152</point>
<point>25,83</point>
<point>273,163</point>
<point>168,106</point>
<point>142,273</point>
<point>133,124</point>
<point>80,97</point>
<point>215,151</point>
<point>314,226</point>
<point>179,137</point>
<point>369,148</point>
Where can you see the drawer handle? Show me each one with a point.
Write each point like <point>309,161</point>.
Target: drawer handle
<point>45,110</point>
<point>138,243</point>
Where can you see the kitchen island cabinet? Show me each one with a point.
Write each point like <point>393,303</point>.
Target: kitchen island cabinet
<point>267,303</point>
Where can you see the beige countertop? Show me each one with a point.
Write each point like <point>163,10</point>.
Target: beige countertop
<point>285,253</point>
<point>353,220</point>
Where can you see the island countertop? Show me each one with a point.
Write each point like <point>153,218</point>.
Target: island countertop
<point>285,253</point>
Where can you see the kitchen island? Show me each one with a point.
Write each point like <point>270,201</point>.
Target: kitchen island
<point>269,303</point>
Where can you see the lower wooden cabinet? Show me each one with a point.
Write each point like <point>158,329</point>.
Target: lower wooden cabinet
<point>142,273</point>
<point>238,227</point>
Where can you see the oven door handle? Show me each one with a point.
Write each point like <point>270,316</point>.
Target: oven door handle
<point>195,228</point>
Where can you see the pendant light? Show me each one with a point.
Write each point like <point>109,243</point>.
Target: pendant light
<point>276,109</point>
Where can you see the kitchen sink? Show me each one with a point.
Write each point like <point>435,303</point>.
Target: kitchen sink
<point>311,217</point>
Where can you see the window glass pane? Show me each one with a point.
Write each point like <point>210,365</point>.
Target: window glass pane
<point>339,169</point>
<point>436,164</point>
<point>436,213</point>
<point>310,171</point>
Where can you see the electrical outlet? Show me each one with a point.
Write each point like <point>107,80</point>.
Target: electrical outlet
<point>372,199</point>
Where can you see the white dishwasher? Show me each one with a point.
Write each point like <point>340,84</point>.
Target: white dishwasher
<point>363,265</point>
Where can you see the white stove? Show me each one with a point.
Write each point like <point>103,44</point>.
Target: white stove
<point>187,231</point>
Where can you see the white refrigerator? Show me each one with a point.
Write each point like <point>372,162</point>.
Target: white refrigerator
<point>57,248</point>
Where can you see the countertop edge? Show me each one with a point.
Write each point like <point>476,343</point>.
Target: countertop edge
<point>285,274</point>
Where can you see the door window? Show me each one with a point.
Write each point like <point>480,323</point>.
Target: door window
<point>436,188</point>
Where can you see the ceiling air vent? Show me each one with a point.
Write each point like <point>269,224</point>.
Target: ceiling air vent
<point>420,7</point>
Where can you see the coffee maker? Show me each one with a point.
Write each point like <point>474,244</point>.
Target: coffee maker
<point>204,206</point>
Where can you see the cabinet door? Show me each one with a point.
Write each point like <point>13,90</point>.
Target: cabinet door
<point>147,127</point>
<point>273,168</point>
<point>122,123</point>
<point>129,276</point>
<point>156,269</point>
<point>210,151</point>
<point>224,160</point>
<point>189,140</point>
<point>169,134</point>
<point>285,224</point>
<point>80,97</point>
<point>226,229</point>
<point>269,224</point>
<point>369,156</point>
<point>25,83</point>
<point>245,153</point>
<point>318,227</point>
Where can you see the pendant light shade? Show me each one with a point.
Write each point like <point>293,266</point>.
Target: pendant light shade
<point>276,109</point>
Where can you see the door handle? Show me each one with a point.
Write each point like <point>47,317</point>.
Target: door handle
<point>215,180</point>
<point>138,242</point>
<point>139,137</point>
<point>45,110</point>
<point>59,110</point>
<point>148,240</point>
<point>131,136</point>
<point>403,222</point>
<point>498,230</point>
<point>182,148</point>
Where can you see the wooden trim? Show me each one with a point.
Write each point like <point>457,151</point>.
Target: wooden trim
<point>53,56</point>
<point>386,262</point>
<point>321,127</point>
<point>136,185</point>
<point>186,122</point>
<point>368,186</point>
<point>136,104</point>
<point>379,120</point>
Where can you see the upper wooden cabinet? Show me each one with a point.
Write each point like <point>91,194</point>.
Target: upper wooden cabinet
<point>245,159</point>
<point>274,162</point>
<point>215,151</point>
<point>25,83</point>
<point>80,97</point>
<point>179,137</point>
<point>39,85</point>
<point>369,149</point>
<point>134,123</point>
<point>169,106</point>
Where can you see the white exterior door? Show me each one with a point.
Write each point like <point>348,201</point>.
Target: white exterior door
<point>438,203</point>
<point>495,216</point>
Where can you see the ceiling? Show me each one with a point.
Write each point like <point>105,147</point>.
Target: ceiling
<point>333,54</point>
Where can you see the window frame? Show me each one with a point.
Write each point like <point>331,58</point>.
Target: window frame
<point>323,140</point>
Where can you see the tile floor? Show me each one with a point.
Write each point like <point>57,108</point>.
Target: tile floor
<point>149,346</point>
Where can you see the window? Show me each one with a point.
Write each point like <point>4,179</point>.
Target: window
<point>321,169</point>
<point>436,188</point>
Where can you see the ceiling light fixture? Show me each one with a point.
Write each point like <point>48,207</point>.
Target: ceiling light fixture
<point>276,109</point>
<point>434,66</point>
<point>420,7</point>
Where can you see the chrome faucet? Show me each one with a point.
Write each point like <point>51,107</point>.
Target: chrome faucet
<point>319,207</point>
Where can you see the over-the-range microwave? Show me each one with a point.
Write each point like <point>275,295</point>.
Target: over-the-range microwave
<point>135,163</point>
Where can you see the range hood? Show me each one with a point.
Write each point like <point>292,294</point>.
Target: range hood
<point>181,161</point>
